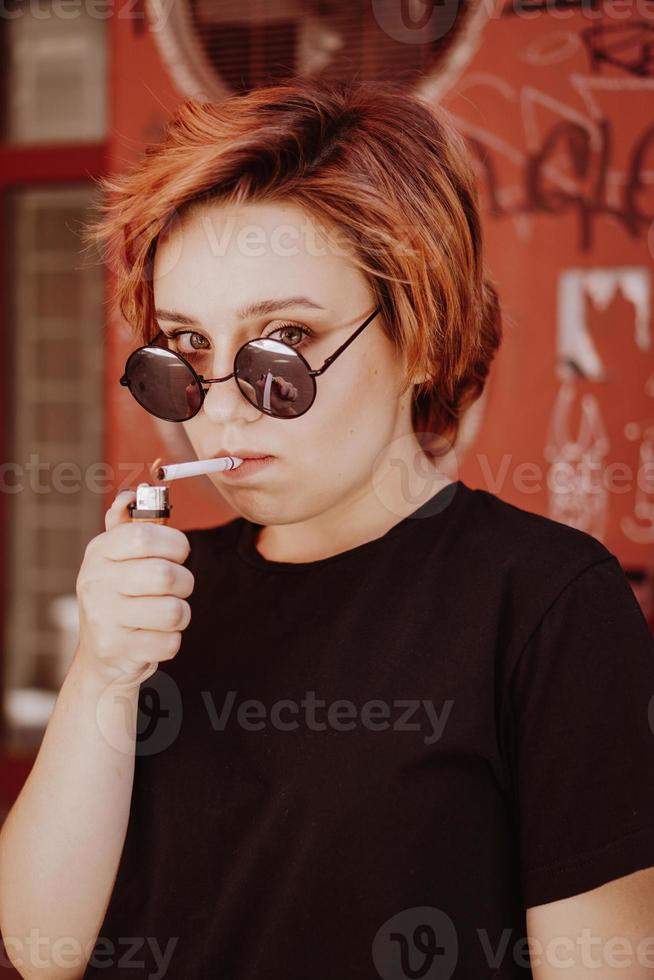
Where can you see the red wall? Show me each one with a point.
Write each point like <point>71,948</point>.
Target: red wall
<point>560,136</point>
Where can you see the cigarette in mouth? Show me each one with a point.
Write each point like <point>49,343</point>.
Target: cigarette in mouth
<point>197,467</point>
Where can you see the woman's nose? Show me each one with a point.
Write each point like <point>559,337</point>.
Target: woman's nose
<point>224,401</point>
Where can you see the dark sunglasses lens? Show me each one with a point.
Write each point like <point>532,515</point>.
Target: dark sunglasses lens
<point>275,378</point>
<point>163,384</point>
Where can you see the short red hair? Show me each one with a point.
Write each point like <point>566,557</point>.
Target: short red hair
<point>382,167</point>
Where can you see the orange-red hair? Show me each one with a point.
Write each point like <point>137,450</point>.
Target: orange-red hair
<point>377,164</point>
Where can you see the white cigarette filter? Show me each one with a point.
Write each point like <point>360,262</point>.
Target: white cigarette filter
<point>197,467</point>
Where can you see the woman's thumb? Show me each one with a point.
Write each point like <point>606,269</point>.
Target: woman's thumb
<point>118,513</point>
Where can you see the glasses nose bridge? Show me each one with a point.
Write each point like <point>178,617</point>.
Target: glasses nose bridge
<point>234,372</point>
<point>218,355</point>
<point>213,381</point>
<point>206,383</point>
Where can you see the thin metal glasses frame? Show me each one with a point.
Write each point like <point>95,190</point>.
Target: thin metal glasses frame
<point>201,381</point>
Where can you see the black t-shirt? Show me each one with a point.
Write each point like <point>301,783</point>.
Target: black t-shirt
<point>372,764</point>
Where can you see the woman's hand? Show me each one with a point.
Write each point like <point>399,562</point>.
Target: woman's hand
<point>282,394</point>
<point>131,590</point>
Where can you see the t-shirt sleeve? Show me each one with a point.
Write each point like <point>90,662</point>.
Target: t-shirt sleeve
<point>582,703</point>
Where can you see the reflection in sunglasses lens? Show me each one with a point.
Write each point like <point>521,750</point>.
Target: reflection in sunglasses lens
<point>274,378</point>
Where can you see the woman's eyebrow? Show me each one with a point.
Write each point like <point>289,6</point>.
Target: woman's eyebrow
<point>261,307</point>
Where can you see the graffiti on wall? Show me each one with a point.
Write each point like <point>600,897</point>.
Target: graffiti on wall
<point>578,454</point>
<point>569,150</point>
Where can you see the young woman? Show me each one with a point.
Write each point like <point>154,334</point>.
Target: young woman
<point>399,727</point>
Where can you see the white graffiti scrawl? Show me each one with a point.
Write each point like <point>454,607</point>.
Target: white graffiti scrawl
<point>578,494</point>
<point>574,342</point>
<point>639,526</point>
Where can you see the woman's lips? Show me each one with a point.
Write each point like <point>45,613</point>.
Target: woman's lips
<point>249,466</point>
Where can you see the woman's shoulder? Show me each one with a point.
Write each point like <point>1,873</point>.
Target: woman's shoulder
<point>516,534</point>
<point>519,558</point>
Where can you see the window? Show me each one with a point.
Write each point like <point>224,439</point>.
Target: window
<point>55,354</point>
<point>55,83</point>
<point>214,48</point>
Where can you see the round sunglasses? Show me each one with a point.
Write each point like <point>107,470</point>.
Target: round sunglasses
<point>270,374</point>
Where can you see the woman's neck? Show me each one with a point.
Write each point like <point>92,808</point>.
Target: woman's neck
<point>345,527</point>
